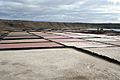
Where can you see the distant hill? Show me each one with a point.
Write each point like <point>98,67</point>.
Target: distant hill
<point>29,25</point>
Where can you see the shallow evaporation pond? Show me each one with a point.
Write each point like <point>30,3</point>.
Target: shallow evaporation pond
<point>23,41</point>
<point>29,45</point>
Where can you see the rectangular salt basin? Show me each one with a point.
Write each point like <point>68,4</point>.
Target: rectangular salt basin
<point>114,37</point>
<point>76,36</point>
<point>67,40</point>
<point>29,45</point>
<point>20,37</point>
<point>92,35</point>
<point>85,44</point>
<point>55,64</point>
<point>80,36</point>
<point>18,33</point>
<point>118,38</point>
<point>23,41</point>
<point>39,33</point>
<point>3,32</point>
<point>59,33</point>
<point>111,52</point>
<point>66,34</point>
<point>113,42</point>
<point>101,39</point>
<point>46,35</point>
<point>55,37</point>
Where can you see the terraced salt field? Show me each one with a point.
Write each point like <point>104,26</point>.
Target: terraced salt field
<point>59,56</point>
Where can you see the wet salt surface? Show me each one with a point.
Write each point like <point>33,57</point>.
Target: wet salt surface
<point>67,40</point>
<point>20,37</point>
<point>83,44</point>
<point>18,33</point>
<point>23,41</point>
<point>55,37</point>
<point>81,35</point>
<point>113,42</point>
<point>39,33</point>
<point>60,33</point>
<point>101,39</point>
<point>75,36</point>
<point>55,64</point>
<point>29,45</point>
<point>111,52</point>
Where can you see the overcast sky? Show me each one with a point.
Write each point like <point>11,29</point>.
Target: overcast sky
<point>61,10</point>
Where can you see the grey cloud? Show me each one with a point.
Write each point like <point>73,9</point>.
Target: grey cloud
<point>58,10</point>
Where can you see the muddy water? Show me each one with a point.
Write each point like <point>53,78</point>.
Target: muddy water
<point>55,64</point>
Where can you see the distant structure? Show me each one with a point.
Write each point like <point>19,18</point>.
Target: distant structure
<point>99,29</point>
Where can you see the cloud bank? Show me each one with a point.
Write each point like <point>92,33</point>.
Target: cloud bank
<point>90,11</point>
